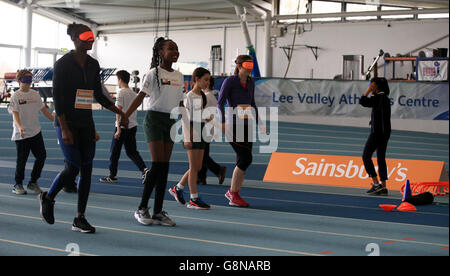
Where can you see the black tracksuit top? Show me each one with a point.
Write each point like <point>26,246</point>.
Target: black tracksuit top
<point>380,119</point>
<point>68,77</point>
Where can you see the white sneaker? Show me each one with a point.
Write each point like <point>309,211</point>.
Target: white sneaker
<point>19,190</point>
<point>34,187</point>
<point>143,217</point>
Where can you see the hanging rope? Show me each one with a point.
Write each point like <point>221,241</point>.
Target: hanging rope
<point>291,51</point>
<point>157,8</point>
<point>167,17</point>
<point>157,15</point>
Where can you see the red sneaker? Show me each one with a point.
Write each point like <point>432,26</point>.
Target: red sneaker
<point>228,195</point>
<point>236,199</point>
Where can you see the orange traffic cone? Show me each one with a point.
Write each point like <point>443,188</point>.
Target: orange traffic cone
<point>406,207</point>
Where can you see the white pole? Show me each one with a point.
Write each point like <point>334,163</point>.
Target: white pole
<point>28,33</point>
<point>95,46</point>
<point>224,55</point>
<point>268,49</point>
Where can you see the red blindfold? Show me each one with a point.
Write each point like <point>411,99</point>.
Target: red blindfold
<point>87,36</point>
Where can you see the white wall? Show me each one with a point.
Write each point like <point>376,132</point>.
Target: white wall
<point>133,51</point>
<point>357,38</point>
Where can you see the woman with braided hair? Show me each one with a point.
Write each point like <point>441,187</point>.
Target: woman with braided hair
<point>164,86</point>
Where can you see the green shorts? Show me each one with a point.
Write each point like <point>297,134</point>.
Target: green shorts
<point>157,126</point>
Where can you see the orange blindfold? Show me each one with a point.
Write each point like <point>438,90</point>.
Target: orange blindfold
<point>87,36</point>
<point>247,65</point>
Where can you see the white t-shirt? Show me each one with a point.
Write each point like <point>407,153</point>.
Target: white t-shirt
<point>211,99</point>
<point>194,105</point>
<point>124,99</point>
<point>28,104</point>
<point>168,95</point>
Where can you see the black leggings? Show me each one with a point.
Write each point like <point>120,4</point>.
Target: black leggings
<point>78,159</point>
<point>243,147</point>
<point>67,176</point>
<point>157,178</point>
<point>244,155</point>
<point>376,142</point>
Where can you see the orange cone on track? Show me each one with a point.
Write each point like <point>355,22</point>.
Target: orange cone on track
<point>387,207</point>
<point>406,207</point>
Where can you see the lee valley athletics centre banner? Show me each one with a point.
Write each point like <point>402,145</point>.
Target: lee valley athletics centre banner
<point>419,100</point>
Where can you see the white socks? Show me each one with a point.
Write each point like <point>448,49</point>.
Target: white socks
<point>181,187</point>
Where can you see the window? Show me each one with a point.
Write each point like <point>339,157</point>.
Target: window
<point>44,59</point>
<point>12,24</point>
<point>289,7</point>
<point>64,40</point>
<point>326,7</point>
<point>432,15</point>
<point>361,8</point>
<point>386,8</point>
<point>44,32</point>
<point>11,60</point>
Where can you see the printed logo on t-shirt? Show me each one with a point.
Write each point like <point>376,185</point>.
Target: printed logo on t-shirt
<point>23,101</point>
<point>244,111</point>
<point>165,82</point>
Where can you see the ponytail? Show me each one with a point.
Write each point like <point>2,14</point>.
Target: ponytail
<point>203,99</point>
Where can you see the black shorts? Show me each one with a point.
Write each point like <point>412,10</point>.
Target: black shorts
<point>198,144</point>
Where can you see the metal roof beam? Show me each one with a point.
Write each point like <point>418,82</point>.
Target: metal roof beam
<point>366,13</point>
<point>137,26</point>
<point>61,16</point>
<point>252,9</point>
<point>263,4</point>
<point>123,8</point>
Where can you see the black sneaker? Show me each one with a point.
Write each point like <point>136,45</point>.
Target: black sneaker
<point>222,173</point>
<point>382,192</point>
<point>375,189</point>
<point>177,194</point>
<point>46,208</point>
<point>198,204</point>
<point>82,225</point>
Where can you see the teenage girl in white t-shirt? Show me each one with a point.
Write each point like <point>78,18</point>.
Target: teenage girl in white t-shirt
<point>194,143</point>
<point>208,162</point>
<point>164,86</point>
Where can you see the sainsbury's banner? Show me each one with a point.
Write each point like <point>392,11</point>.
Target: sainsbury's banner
<point>409,100</point>
<point>348,171</point>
